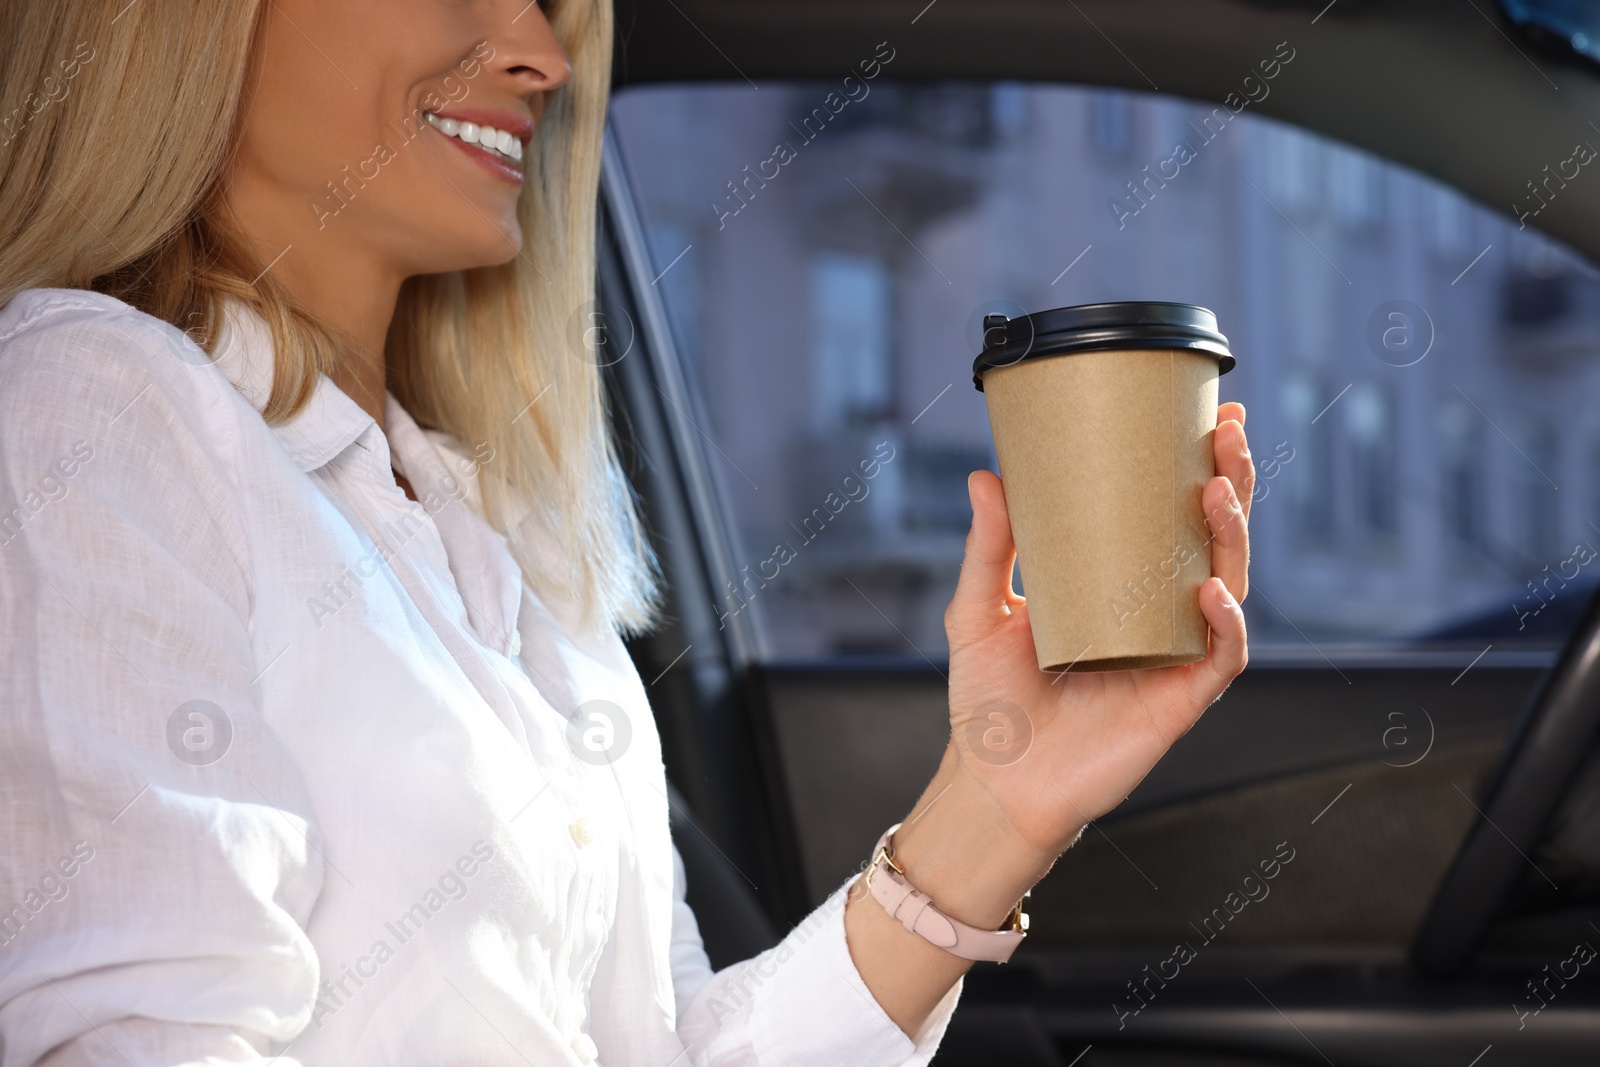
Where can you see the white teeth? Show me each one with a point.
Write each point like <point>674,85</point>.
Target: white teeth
<point>500,141</point>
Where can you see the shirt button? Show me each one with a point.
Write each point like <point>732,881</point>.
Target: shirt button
<point>584,1046</point>
<point>516,642</point>
<point>582,835</point>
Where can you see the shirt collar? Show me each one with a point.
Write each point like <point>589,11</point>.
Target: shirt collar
<point>444,475</point>
<point>329,422</point>
<point>441,471</point>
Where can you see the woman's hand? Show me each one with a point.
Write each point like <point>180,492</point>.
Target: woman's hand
<point>995,818</point>
<point>1093,736</point>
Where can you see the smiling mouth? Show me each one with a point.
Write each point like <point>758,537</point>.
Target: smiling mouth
<point>502,146</point>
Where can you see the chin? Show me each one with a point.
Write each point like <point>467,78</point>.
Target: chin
<point>488,254</point>
<point>511,249</point>
<point>506,245</point>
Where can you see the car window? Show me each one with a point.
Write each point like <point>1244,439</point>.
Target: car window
<point>1416,367</point>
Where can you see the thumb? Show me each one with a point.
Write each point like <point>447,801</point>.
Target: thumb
<point>983,592</point>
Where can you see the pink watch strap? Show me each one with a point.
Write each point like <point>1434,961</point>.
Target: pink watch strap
<point>916,913</point>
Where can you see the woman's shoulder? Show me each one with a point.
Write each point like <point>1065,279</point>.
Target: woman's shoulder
<point>34,308</point>
<point>90,354</point>
<point>32,313</point>
<point>85,373</point>
<point>91,329</point>
<point>101,404</point>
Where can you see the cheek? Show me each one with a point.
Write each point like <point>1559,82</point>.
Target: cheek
<point>313,93</point>
<point>332,134</point>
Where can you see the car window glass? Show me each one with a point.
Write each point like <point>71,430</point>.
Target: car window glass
<point>1414,364</point>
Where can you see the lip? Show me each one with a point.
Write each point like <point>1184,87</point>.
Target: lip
<point>516,124</point>
<point>489,162</point>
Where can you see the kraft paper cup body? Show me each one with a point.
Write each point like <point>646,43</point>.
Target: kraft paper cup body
<point>1104,456</point>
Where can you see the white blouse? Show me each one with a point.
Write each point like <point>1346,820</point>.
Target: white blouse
<point>296,769</point>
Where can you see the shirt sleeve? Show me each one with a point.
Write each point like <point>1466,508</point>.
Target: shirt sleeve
<point>160,856</point>
<point>802,1003</point>
<point>691,967</point>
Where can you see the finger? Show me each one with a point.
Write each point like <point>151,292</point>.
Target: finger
<point>1230,536</point>
<point>1233,462</point>
<point>1231,410</point>
<point>1229,644</point>
<point>983,591</point>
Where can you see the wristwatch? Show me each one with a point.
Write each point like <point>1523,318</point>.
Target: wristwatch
<point>888,885</point>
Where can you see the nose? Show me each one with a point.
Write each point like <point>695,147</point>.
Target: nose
<point>527,54</point>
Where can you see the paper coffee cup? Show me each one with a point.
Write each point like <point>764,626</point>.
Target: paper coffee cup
<point>1103,416</point>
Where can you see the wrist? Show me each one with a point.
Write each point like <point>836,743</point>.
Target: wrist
<point>961,849</point>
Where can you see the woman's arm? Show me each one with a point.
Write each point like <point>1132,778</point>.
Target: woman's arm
<point>801,1003</point>
<point>159,855</point>
<point>982,834</point>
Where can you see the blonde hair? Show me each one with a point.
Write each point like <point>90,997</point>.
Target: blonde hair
<point>100,190</point>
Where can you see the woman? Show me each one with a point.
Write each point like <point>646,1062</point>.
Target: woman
<point>313,561</point>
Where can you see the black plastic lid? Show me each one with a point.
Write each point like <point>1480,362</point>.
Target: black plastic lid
<point>1096,327</point>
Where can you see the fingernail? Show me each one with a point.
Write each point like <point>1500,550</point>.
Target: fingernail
<point>1226,598</point>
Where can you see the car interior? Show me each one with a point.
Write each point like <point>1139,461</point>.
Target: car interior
<point>808,209</point>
